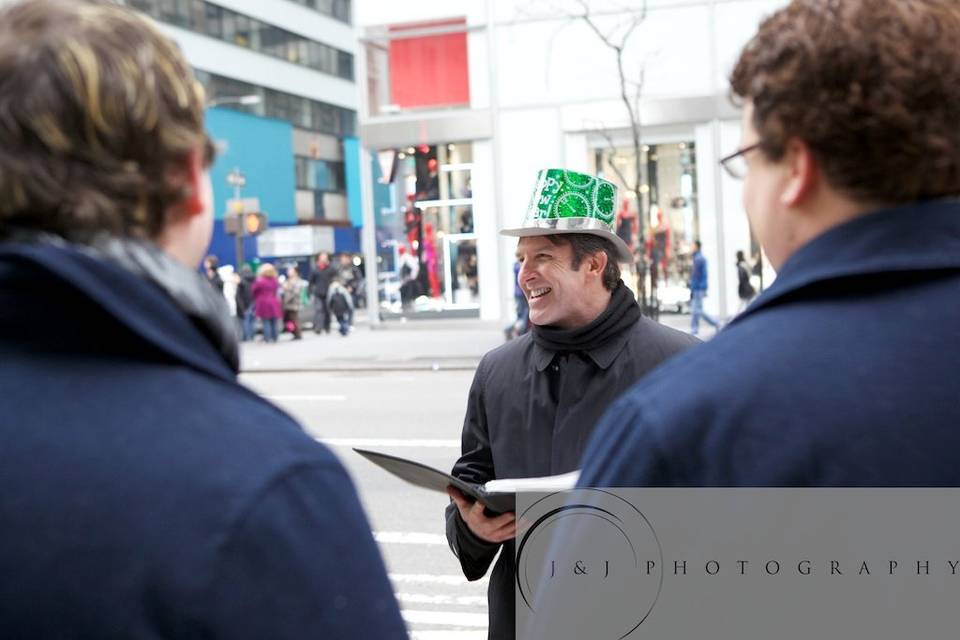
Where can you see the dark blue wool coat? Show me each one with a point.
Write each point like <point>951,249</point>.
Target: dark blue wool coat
<point>144,493</point>
<point>843,373</point>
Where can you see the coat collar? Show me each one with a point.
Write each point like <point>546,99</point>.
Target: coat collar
<point>132,301</point>
<point>603,356</point>
<point>921,236</point>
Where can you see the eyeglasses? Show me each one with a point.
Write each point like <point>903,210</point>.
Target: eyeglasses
<point>735,164</point>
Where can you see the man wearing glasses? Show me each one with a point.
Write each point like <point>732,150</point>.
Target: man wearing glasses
<point>843,373</point>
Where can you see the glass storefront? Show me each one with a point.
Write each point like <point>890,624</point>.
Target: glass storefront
<point>426,243</point>
<point>662,226</point>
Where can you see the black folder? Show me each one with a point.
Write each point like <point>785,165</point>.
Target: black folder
<point>427,477</point>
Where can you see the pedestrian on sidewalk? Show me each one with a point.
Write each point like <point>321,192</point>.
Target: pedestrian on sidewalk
<point>340,303</point>
<point>745,290</point>
<point>292,297</point>
<point>146,493</point>
<point>244,298</point>
<point>522,322</point>
<point>523,416</point>
<point>319,286</point>
<point>266,302</point>
<point>698,291</point>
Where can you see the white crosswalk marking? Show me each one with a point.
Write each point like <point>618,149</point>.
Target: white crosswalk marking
<point>365,443</point>
<point>425,578</point>
<point>409,537</point>
<point>423,598</point>
<point>448,635</point>
<point>451,618</point>
<point>315,398</point>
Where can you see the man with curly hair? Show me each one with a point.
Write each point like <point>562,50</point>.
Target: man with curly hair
<point>843,373</point>
<point>146,493</point>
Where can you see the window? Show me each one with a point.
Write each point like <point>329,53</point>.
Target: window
<point>302,112</point>
<point>242,35</point>
<point>244,31</point>
<point>214,21</point>
<point>344,65</point>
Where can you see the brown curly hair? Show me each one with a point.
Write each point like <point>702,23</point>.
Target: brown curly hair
<point>98,113</point>
<point>872,86</point>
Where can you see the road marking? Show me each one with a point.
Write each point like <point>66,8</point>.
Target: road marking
<point>429,578</point>
<point>409,537</point>
<point>386,442</point>
<point>448,635</point>
<point>451,618</point>
<point>423,598</point>
<point>314,397</point>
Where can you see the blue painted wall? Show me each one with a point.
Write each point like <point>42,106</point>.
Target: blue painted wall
<point>351,159</point>
<point>262,148</point>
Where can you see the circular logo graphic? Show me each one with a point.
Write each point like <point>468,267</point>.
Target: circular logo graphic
<point>588,565</point>
<point>578,180</point>
<point>572,205</point>
<point>604,201</point>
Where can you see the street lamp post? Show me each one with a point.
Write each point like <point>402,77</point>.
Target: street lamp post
<point>236,179</point>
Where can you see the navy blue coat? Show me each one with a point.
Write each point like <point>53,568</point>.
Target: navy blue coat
<point>144,493</point>
<point>843,373</point>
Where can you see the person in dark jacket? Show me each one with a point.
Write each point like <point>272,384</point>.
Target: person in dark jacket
<point>319,286</point>
<point>534,401</point>
<point>146,493</point>
<point>244,300</point>
<point>211,266</point>
<point>745,290</point>
<point>843,372</point>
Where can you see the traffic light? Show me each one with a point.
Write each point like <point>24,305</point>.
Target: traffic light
<point>254,223</point>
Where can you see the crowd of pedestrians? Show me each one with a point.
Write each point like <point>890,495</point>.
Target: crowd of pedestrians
<point>272,304</point>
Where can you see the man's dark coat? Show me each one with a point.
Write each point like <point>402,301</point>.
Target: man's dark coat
<point>145,493</point>
<point>530,413</point>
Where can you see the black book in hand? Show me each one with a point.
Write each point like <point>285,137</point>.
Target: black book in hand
<point>498,496</point>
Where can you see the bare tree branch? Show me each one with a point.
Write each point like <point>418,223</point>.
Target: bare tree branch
<point>613,156</point>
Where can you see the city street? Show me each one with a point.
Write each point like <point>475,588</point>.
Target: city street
<point>401,390</point>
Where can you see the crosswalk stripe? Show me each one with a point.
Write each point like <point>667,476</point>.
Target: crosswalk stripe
<point>448,635</point>
<point>427,578</point>
<point>409,537</point>
<point>424,598</point>
<point>318,398</point>
<point>388,442</point>
<point>450,618</point>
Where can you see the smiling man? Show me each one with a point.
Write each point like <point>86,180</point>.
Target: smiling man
<point>844,372</point>
<point>535,400</point>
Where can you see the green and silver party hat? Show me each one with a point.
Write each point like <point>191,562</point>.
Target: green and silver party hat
<point>571,202</point>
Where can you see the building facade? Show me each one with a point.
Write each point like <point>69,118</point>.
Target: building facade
<point>463,102</point>
<point>282,96</point>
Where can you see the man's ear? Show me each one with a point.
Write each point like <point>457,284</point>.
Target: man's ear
<point>803,172</point>
<point>194,174</point>
<point>597,262</point>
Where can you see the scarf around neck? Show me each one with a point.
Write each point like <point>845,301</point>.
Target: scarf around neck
<point>622,313</point>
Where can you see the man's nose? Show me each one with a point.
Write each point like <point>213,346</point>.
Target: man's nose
<point>524,273</point>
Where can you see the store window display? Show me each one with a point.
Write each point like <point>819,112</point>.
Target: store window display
<point>663,244</point>
<point>425,227</point>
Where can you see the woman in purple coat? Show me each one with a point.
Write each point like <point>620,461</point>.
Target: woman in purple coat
<point>266,304</point>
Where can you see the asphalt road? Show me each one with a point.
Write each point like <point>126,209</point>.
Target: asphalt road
<point>414,414</point>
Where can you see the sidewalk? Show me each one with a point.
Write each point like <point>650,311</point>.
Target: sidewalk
<point>414,345</point>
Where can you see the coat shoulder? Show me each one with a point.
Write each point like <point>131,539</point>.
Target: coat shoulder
<point>649,335</point>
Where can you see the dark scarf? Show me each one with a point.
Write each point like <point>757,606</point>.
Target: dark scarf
<point>205,306</point>
<point>622,313</point>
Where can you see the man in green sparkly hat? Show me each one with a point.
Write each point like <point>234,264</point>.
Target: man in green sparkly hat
<point>534,401</point>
